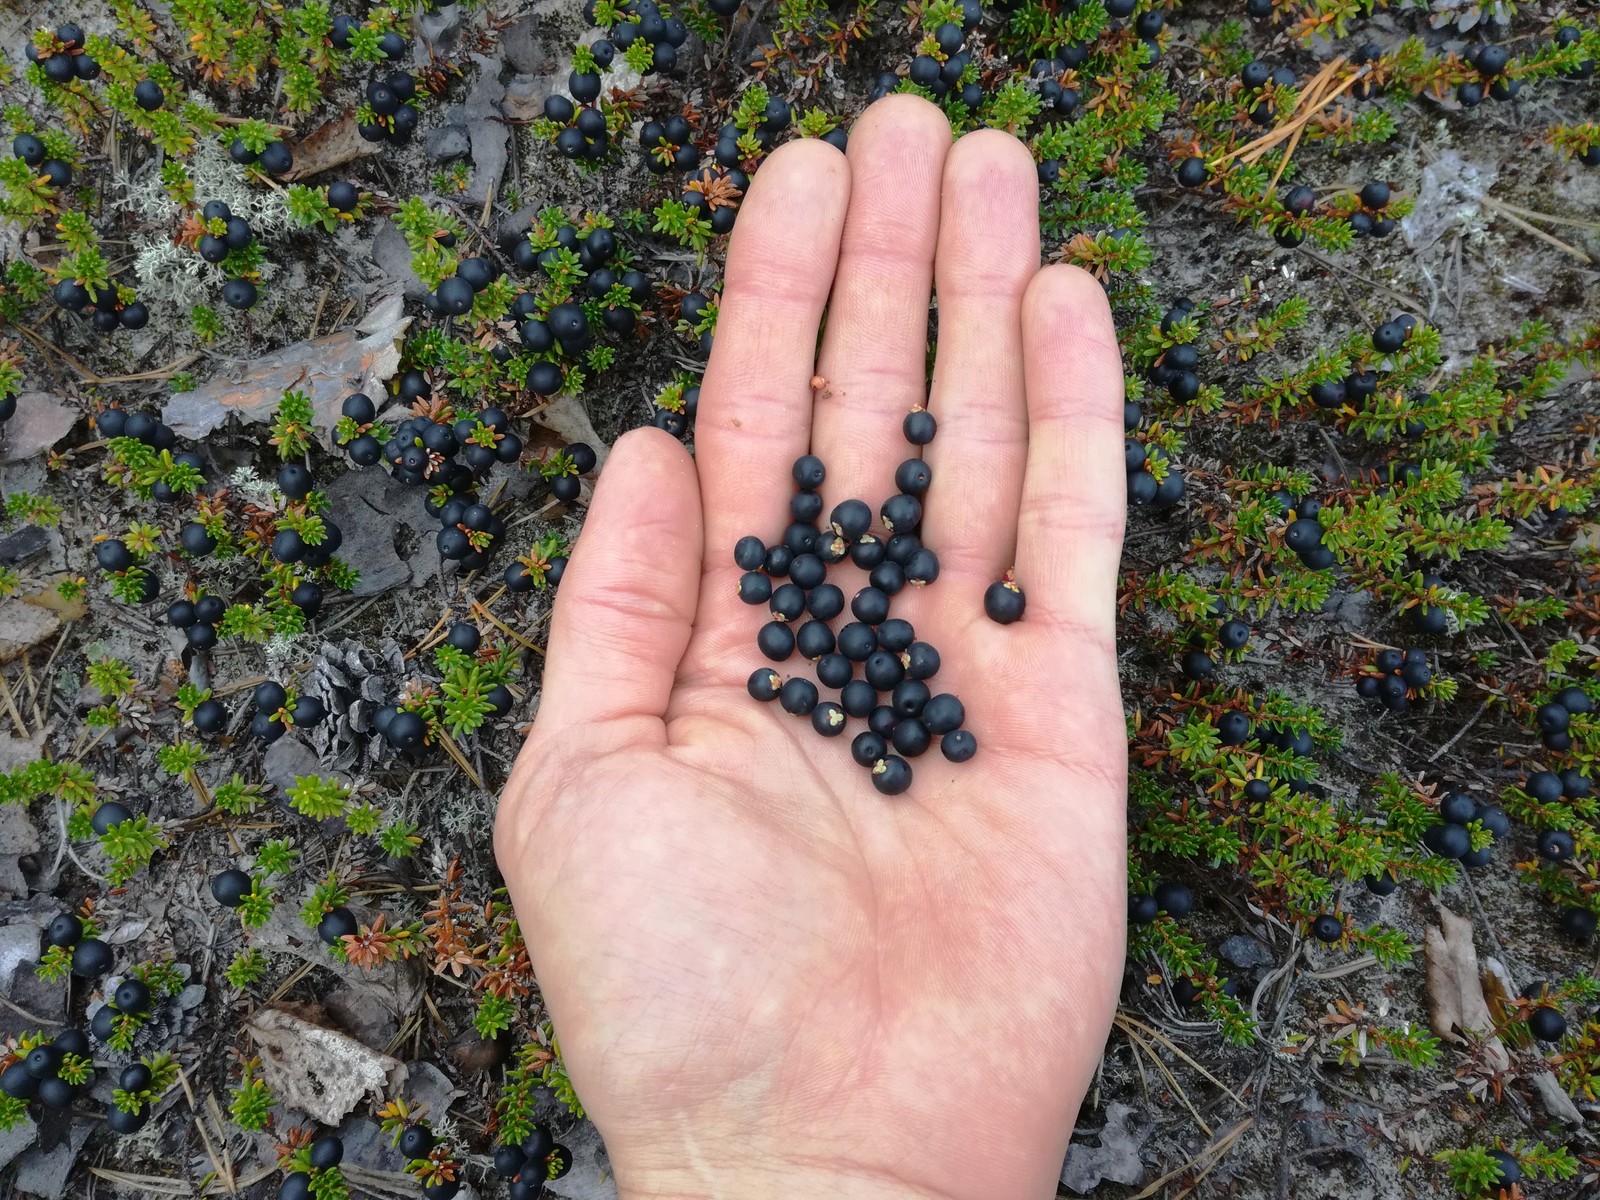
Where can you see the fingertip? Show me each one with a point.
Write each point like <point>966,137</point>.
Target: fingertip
<point>910,115</point>
<point>790,221</point>
<point>985,158</point>
<point>989,235</point>
<point>807,169</point>
<point>627,600</point>
<point>648,444</point>
<point>649,471</point>
<point>1066,300</point>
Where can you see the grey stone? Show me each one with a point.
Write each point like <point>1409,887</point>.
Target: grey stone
<point>44,1173</point>
<point>23,626</point>
<point>489,133</point>
<point>19,947</point>
<point>192,996</point>
<point>19,951</point>
<point>392,257</point>
<point>23,543</point>
<point>1313,1122</point>
<point>366,1146</point>
<point>369,535</point>
<point>526,94</point>
<point>17,1139</point>
<point>1349,610</point>
<point>1245,952</point>
<point>425,560</point>
<point>517,224</point>
<point>365,1014</point>
<point>439,30</point>
<point>590,1177</point>
<point>17,838</point>
<point>41,420</point>
<point>370,1002</point>
<point>372,506</point>
<point>448,142</point>
<point>520,44</point>
<point>328,368</point>
<point>17,832</point>
<point>427,1085</point>
<point>1116,1157</point>
<point>286,760</point>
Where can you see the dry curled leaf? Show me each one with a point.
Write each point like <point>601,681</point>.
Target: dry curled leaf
<point>330,145</point>
<point>1456,1004</point>
<point>317,1070</point>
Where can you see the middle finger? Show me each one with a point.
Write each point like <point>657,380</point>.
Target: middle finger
<point>874,346</point>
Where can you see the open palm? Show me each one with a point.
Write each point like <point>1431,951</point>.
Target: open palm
<point>765,975</point>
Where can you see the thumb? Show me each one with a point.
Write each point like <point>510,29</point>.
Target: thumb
<point>627,599</point>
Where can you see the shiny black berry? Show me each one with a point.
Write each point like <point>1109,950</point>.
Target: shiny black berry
<point>1004,602</point>
<point>231,887</point>
<point>91,958</point>
<point>809,472</point>
<point>891,775</point>
<point>750,553</point>
<point>1173,898</point>
<point>919,427</point>
<point>337,923</point>
<point>776,640</point>
<point>327,1151</point>
<point>415,1141</point>
<point>798,696</point>
<point>132,996</point>
<point>857,641</point>
<point>828,719</point>
<point>958,745</point>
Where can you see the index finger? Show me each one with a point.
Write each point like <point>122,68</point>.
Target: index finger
<point>1069,530</point>
<point>754,417</point>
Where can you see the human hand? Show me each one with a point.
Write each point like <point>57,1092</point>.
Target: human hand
<point>765,976</point>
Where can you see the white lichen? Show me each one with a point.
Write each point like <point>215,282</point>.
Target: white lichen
<point>169,273</point>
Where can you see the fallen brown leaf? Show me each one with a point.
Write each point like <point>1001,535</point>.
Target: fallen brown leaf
<point>1455,992</point>
<point>330,145</point>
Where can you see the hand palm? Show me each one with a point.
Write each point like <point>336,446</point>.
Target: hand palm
<point>761,970</point>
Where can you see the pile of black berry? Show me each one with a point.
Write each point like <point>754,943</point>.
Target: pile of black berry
<point>40,1075</point>
<point>277,709</point>
<point>455,294</point>
<point>66,58</point>
<point>36,1076</point>
<point>158,435</point>
<point>669,145</point>
<point>1544,1018</point>
<point>108,307</point>
<point>198,618</point>
<point>1555,719</point>
<point>1490,62</point>
<point>1548,787</point>
<point>1372,218</point>
<point>394,118</point>
<point>214,248</point>
<point>530,1164</point>
<point>343,29</point>
<point>1233,635</point>
<point>1303,534</point>
<point>892,694</point>
<point>1396,677</point>
<point>1452,838</point>
<point>1175,370</point>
